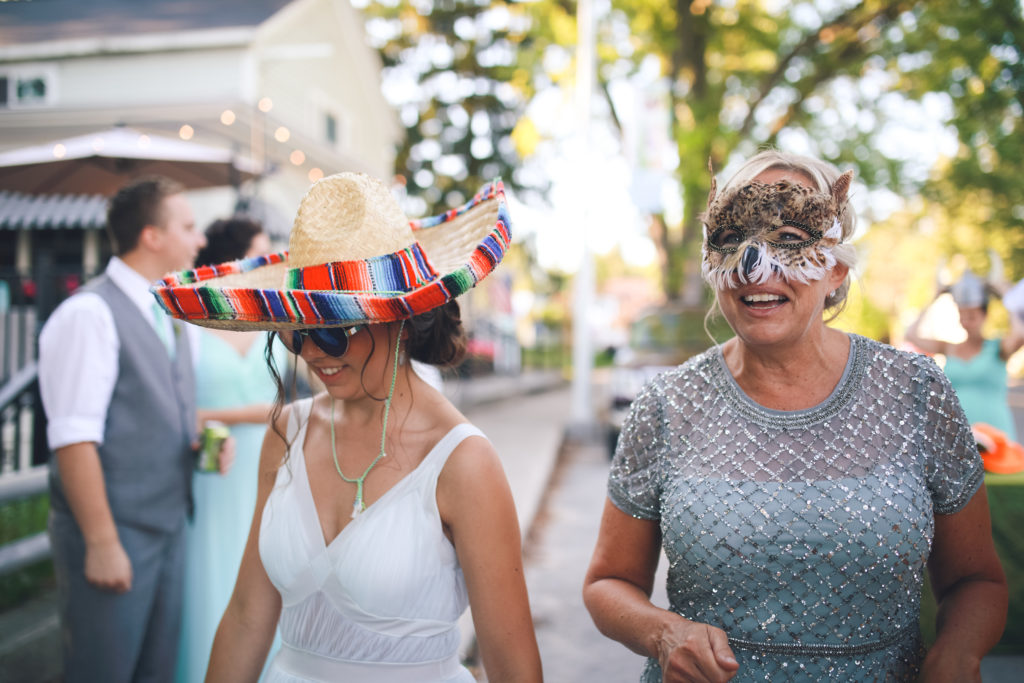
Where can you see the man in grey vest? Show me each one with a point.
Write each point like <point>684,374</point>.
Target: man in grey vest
<point>118,387</point>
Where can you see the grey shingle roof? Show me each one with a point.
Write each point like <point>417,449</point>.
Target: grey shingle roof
<point>31,21</point>
<point>43,212</point>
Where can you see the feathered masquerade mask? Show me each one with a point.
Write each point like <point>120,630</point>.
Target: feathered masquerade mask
<point>783,228</point>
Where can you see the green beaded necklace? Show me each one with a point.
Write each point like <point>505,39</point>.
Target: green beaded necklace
<point>358,505</point>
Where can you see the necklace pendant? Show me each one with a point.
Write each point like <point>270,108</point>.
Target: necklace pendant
<point>357,507</point>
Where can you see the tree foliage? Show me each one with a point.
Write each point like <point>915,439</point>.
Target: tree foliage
<point>460,73</point>
<point>832,78</point>
<point>972,52</point>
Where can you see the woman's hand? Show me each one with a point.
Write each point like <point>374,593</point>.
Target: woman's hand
<point>691,652</point>
<point>617,592</point>
<point>226,456</point>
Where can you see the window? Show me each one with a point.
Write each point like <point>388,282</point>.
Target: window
<point>27,86</point>
<point>331,128</point>
<point>31,90</point>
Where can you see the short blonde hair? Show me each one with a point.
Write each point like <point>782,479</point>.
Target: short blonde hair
<point>823,175</point>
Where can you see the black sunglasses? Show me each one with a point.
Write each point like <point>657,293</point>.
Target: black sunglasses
<point>331,340</point>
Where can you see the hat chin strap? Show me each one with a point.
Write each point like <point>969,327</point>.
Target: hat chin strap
<point>359,505</point>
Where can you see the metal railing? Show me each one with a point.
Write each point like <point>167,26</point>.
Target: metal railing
<point>23,458</point>
<point>22,552</point>
<point>22,423</point>
<point>26,300</point>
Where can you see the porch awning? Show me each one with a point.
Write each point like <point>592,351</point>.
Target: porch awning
<point>49,212</point>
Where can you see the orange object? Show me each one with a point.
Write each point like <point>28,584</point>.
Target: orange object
<point>999,454</point>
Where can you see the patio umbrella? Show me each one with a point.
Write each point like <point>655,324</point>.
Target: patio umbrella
<point>102,162</point>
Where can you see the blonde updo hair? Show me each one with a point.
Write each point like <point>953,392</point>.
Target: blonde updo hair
<point>823,175</point>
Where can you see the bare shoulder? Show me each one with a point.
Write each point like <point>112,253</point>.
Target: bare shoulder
<point>472,470</point>
<point>473,493</point>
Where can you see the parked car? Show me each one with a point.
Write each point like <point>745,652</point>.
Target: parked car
<point>659,339</point>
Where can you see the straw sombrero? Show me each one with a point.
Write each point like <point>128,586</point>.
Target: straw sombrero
<point>353,257</point>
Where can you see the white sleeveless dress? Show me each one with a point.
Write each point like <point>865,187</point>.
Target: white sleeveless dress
<point>381,601</point>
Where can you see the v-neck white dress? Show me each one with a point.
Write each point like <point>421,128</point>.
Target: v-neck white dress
<point>381,601</point>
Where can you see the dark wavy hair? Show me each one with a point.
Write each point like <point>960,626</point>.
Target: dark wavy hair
<point>437,336</point>
<point>227,239</point>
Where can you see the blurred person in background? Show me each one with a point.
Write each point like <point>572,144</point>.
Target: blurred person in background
<point>381,512</point>
<point>976,367</point>
<point>234,388</point>
<point>799,479</point>
<point>117,384</point>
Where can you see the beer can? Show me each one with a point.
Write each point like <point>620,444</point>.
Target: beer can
<point>214,435</point>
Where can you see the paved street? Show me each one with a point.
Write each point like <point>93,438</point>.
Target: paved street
<point>557,555</point>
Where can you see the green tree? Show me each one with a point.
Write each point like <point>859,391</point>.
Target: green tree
<point>743,74</point>
<point>460,74</point>
<point>972,53</point>
<point>833,77</point>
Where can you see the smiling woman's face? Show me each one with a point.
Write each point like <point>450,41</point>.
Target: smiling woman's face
<point>764,303</point>
<point>364,368</point>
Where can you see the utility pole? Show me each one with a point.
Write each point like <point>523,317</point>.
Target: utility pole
<point>582,417</point>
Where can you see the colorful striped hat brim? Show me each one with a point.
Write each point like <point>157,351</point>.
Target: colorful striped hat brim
<point>399,270</point>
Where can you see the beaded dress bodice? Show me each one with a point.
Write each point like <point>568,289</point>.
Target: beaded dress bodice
<point>802,534</point>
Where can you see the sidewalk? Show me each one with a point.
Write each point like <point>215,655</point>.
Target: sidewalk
<point>525,423</point>
<point>473,393</point>
<point>557,555</point>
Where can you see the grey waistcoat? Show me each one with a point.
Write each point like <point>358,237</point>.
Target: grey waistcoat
<point>146,451</point>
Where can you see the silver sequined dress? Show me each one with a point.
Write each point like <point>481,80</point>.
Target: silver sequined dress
<point>804,534</point>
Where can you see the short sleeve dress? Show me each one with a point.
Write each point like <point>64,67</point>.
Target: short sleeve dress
<point>802,534</point>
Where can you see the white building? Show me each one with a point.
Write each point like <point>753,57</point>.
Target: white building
<point>291,85</point>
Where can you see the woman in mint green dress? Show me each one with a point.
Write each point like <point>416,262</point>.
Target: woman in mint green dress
<point>233,386</point>
<point>976,367</point>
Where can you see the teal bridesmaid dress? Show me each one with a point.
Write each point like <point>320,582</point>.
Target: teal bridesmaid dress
<point>980,384</point>
<point>217,533</point>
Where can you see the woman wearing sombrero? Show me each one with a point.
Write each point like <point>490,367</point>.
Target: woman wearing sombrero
<point>381,512</point>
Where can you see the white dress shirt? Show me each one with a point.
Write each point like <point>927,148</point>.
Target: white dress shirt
<point>78,358</point>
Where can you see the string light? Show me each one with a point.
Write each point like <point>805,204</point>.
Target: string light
<point>227,117</point>
<point>315,174</point>
<point>282,134</point>
<point>298,157</point>
<point>265,104</point>
<point>59,151</point>
<point>186,132</point>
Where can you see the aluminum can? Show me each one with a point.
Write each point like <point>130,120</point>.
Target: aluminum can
<point>214,435</point>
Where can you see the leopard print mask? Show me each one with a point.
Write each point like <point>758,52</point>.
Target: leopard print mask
<point>761,230</point>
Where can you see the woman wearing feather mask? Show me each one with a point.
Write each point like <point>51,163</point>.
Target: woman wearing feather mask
<point>799,479</point>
